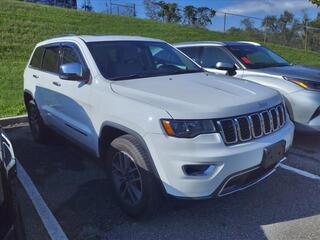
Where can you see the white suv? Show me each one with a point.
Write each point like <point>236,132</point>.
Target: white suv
<point>157,120</point>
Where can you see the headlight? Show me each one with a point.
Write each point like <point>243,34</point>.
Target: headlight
<point>306,84</point>
<point>187,128</point>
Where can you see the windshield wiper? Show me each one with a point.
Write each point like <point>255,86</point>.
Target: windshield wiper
<point>131,76</point>
<point>153,74</point>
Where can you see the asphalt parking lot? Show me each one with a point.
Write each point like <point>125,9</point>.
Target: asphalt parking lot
<point>76,190</point>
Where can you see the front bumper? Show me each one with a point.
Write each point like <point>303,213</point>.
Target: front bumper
<point>171,154</point>
<point>304,108</point>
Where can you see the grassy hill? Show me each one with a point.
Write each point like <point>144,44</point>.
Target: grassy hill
<point>22,25</point>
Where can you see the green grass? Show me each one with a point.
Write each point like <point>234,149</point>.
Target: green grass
<point>22,25</point>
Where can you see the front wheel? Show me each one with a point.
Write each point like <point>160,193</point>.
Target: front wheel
<point>38,129</point>
<point>133,181</point>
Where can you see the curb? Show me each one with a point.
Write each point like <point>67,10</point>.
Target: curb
<point>13,120</point>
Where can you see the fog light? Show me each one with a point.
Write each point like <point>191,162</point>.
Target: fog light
<point>198,170</point>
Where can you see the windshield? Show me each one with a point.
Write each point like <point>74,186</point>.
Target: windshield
<point>254,57</point>
<point>121,60</point>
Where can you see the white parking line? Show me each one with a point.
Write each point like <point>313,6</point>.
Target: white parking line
<point>300,172</point>
<point>49,221</point>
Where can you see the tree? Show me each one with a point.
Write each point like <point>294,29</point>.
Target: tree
<point>151,9</point>
<point>270,24</point>
<point>58,3</point>
<point>283,27</point>
<point>316,2</point>
<point>198,17</point>
<point>169,12</point>
<point>86,6</point>
<point>205,16</point>
<point>248,24</point>
<point>288,25</point>
<point>234,31</point>
<point>190,15</point>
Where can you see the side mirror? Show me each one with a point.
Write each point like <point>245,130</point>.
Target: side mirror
<point>71,71</point>
<point>230,68</point>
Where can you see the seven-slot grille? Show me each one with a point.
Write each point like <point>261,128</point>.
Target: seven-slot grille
<point>256,125</point>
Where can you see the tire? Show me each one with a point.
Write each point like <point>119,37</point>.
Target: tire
<point>133,182</point>
<point>39,131</point>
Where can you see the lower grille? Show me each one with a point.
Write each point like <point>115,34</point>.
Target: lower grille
<point>244,180</point>
<point>244,128</point>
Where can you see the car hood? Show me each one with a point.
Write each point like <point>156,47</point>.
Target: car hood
<point>294,71</point>
<point>199,95</point>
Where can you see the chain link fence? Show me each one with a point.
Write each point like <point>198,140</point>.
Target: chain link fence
<point>296,35</point>
<point>121,9</point>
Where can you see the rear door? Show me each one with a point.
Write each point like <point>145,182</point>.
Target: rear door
<point>192,52</point>
<point>48,86</point>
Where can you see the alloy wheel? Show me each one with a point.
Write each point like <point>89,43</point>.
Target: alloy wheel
<point>127,178</point>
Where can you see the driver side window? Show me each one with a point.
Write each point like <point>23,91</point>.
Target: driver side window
<point>212,55</point>
<point>70,56</point>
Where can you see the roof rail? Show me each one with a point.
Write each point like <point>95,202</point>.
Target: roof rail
<point>248,42</point>
<point>64,35</point>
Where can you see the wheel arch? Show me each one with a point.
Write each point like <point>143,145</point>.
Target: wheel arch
<point>110,131</point>
<point>27,96</point>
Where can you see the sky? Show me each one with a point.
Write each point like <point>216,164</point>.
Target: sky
<point>254,8</point>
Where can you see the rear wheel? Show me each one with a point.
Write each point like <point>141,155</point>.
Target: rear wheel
<point>38,129</point>
<point>133,181</point>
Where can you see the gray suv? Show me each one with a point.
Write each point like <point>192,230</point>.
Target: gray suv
<point>300,85</point>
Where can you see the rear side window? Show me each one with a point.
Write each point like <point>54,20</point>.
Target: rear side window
<point>212,55</point>
<point>50,61</point>
<point>192,52</point>
<point>37,58</point>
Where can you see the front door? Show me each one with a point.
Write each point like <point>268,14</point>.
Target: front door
<point>75,99</point>
<point>212,55</point>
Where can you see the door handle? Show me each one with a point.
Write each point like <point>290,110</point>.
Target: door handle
<point>35,76</point>
<point>56,84</point>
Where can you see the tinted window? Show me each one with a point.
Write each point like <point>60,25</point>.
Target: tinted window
<point>192,52</point>
<point>119,60</point>
<point>257,56</point>
<point>212,55</point>
<point>161,55</point>
<point>51,59</point>
<point>37,58</point>
<point>70,55</point>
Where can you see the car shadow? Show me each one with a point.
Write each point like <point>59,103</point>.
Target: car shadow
<point>77,190</point>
